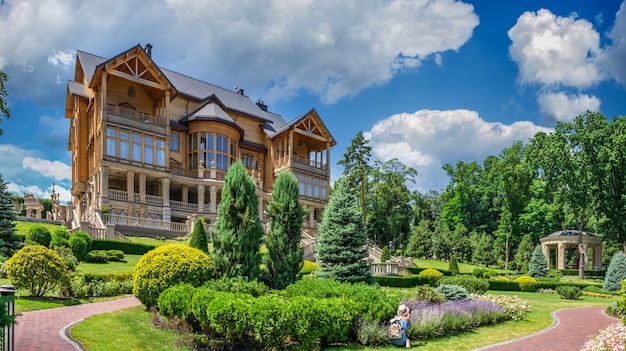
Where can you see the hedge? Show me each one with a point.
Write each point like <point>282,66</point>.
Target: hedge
<point>127,247</point>
<point>417,270</point>
<point>588,273</point>
<point>501,285</point>
<point>401,281</point>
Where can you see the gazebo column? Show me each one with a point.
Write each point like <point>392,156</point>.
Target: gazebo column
<point>546,254</point>
<point>560,256</point>
<point>597,257</point>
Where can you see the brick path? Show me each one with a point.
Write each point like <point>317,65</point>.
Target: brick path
<point>44,329</point>
<point>573,327</point>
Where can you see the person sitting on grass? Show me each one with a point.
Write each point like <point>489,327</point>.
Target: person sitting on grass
<point>403,317</point>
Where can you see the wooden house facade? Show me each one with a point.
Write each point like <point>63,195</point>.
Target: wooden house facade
<point>152,146</point>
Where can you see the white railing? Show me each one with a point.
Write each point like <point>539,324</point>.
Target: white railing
<point>309,248</point>
<point>118,195</point>
<point>145,223</point>
<point>97,233</point>
<point>183,206</point>
<point>154,200</point>
<point>136,197</point>
<point>388,268</point>
<point>75,219</point>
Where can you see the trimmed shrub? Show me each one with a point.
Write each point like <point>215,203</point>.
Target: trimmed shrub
<point>237,285</point>
<point>67,256</point>
<point>166,266</point>
<point>175,301</point>
<point>85,236</point>
<point>126,247</point>
<point>472,284</point>
<point>115,255</point>
<point>385,254</point>
<point>432,274</point>
<point>61,233</point>
<point>198,236</point>
<point>503,284</point>
<point>79,247</point>
<point>453,266</point>
<point>38,235</point>
<point>308,267</point>
<point>452,292</point>
<point>96,256</point>
<point>568,292</point>
<point>527,283</point>
<point>401,281</point>
<point>58,241</point>
<point>98,285</point>
<point>615,273</point>
<point>37,269</point>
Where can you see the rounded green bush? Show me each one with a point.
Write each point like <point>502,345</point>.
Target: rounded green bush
<point>568,292</point>
<point>38,235</point>
<point>452,292</point>
<point>61,233</point>
<point>432,274</point>
<point>166,266</point>
<point>79,247</point>
<point>175,301</point>
<point>37,269</point>
<point>527,283</point>
<point>85,236</point>
<point>58,241</point>
<point>472,284</point>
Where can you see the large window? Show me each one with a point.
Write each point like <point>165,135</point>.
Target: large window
<point>249,160</point>
<point>311,186</point>
<point>174,142</point>
<point>211,149</point>
<point>133,145</point>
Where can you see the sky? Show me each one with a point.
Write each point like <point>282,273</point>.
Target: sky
<point>427,82</point>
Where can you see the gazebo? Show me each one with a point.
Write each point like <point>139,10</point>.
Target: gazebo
<point>563,240</point>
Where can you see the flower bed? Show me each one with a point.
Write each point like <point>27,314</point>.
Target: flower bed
<point>514,307</point>
<point>613,338</point>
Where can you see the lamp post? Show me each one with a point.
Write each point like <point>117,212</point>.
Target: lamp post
<point>8,334</point>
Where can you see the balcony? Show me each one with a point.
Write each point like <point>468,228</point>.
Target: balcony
<point>122,195</point>
<point>136,119</point>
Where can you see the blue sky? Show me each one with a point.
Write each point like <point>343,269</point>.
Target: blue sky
<point>428,82</point>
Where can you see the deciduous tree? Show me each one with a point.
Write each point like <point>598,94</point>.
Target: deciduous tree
<point>4,108</point>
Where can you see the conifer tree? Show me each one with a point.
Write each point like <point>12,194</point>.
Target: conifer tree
<point>537,266</point>
<point>285,215</point>
<point>238,230</point>
<point>341,249</point>
<point>9,241</point>
<point>615,273</point>
<point>198,236</point>
<point>453,266</point>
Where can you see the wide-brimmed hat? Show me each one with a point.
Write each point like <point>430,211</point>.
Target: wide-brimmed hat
<point>403,310</point>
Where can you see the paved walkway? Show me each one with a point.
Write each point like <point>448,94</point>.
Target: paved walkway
<point>571,330</point>
<point>45,329</point>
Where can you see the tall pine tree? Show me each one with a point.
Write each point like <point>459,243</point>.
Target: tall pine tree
<point>238,230</point>
<point>285,215</point>
<point>356,168</point>
<point>9,241</point>
<point>341,249</point>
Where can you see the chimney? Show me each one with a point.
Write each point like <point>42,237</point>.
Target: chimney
<point>240,92</point>
<point>148,50</point>
<point>261,105</point>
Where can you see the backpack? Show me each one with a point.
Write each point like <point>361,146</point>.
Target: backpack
<point>394,330</point>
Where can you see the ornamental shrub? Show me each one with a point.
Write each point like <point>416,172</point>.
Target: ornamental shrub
<point>198,236</point>
<point>308,267</point>
<point>58,241</point>
<point>452,292</point>
<point>568,292</point>
<point>175,301</point>
<point>424,293</point>
<point>611,338</point>
<point>472,284</point>
<point>166,266</point>
<point>432,274</point>
<point>85,236</point>
<point>67,256</point>
<point>453,266</point>
<point>61,233</point>
<point>385,254</point>
<point>37,269</point>
<point>371,333</point>
<point>538,264</point>
<point>38,235</point>
<point>115,255</point>
<point>79,247</point>
<point>237,285</point>
<point>615,273</point>
<point>127,247</point>
<point>527,283</point>
<point>96,256</point>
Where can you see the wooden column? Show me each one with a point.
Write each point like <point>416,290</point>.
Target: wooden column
<point>290,159</point>
<point>328,159</point>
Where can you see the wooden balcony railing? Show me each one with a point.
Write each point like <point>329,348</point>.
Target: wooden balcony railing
<point>135,115</point>
<point>307,162</point>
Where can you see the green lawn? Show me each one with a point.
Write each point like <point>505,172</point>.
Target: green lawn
<point>443,265</point>
<point>110,267</point>
<point>158,242</point>
<point>21,228</point>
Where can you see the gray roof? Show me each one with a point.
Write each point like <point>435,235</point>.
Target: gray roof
<point>193,88</point>
<point>209,111</point>
<point>570,232</point>
<point>77,89</point>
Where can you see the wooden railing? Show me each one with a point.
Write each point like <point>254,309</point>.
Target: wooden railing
<point>135,115</point>
<point>145,223</point>
<point>307,162</point>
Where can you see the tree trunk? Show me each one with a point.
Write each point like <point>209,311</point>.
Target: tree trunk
<point>581,252</point>
<point>506,255</point>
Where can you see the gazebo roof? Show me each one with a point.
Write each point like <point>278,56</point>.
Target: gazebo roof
<point>569,232</point>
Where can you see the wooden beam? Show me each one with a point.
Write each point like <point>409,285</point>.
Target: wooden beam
<point>138,80</point>
<point>309,134</point>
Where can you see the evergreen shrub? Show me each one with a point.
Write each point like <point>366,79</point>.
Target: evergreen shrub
<point>616,272</point>
<point>452,292</point>
<point>503,284</point>
<point>97,285</point>
<point>198,236</point>
<point>38,235</point>
<point>385,255</point>
<point>79,247</point>
<point>175,301</point>
<point>568,292</point>
<point>67,256</point>
<point>424,293</point>
<point>127,247</point>
<point>308,267</point>
<point>237,285</point>
<point>58,241</point>
<point>85,236</point>
<point>37,269</point>
<point>401,281</point>
<point>432,274</point>
<point>527,283</point>
<point>96,256</point>
<point>453,266</point>
<point>166,266</point>
<point>61,233</point>
<point>472,284</point>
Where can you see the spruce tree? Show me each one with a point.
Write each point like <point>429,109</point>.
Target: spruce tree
<point>341,249</point>
<point>285,215</point>
<point>615,273</point>
<point>9,241</point>
<point>385,255</point>
<point>537,266</point>
<point>238,230</point>
<point>198,236</point>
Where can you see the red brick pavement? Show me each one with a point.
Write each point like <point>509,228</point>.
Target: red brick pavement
<point>42,330</point>
<point>573,327</point>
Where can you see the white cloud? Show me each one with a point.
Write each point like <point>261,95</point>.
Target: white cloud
<point>428,139</point>
<point>54,169</point>
<point>555,50</point>
<point>565,108</point>
<point>64,194</point>
<point>274,49</point>
<point>615,54</point>
<point>63,58</point>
